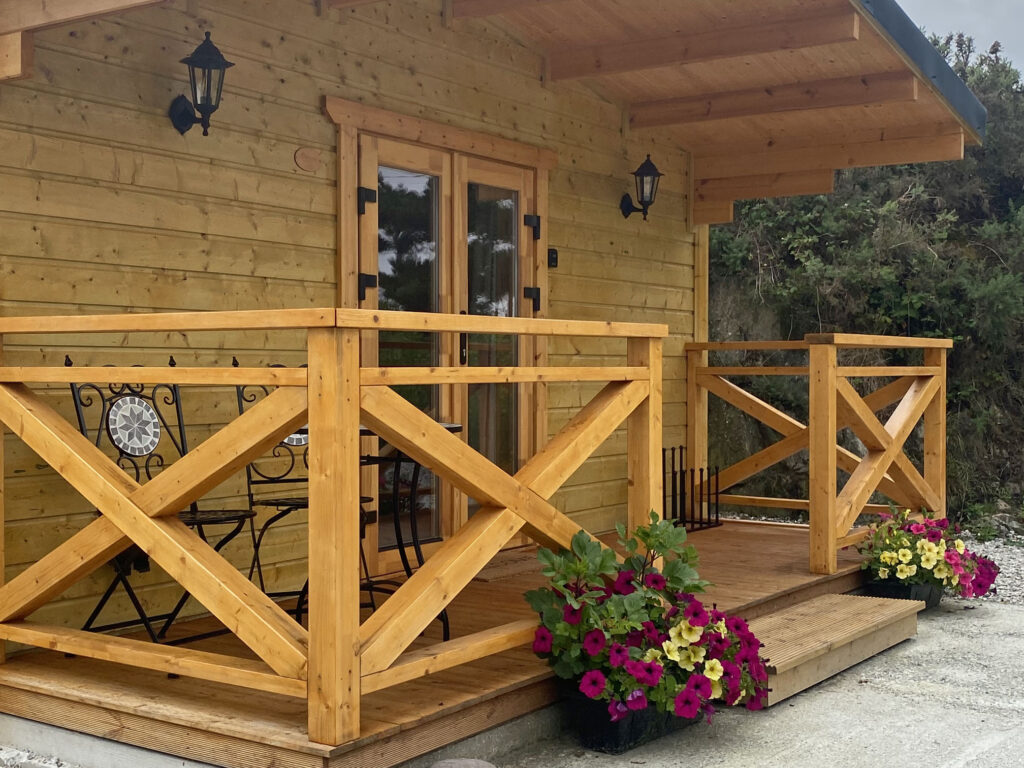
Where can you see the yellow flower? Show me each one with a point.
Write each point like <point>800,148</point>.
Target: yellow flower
<point>928,560</point>
<point>697,653</point>
<point>689,633</point>
<point>888,557</point>
<point>713,670</point>
<point>883,573</point>
<point>959,544</point>
<point>955,580</point>
<point>942,547</point>
<point>719,627</point>
<point>653,654</point>
<point>941,570</point>
<point>920,546</point>
<point>905,571</point>
<point>671,650</point>
<point>716,689</point>
<point>675,634</point>
<point>905,556</point>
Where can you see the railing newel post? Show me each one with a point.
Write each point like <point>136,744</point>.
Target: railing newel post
<point>822,458</point>
<point>334,670</point>
<point>643,436</point>
<point>935,432</point>
<point>3,517</point>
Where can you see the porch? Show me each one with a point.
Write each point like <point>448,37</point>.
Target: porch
<point>210,722</point>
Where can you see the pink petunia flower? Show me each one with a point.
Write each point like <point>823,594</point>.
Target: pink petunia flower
<point>686,704</point>
<point>624,583</point>
<point>636,700</point>
<point>571,615</point>
<point>542,640</point>
<point>593,684</point>
<point>617,710</point>
<point>594,642</point>
<point>696,615</point>
<point>655,581</point>
<point>917,529</point>
<point>699,685</point>
<point>618,655</point>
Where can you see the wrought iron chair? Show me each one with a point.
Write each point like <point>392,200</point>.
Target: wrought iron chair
<point>270,484</point>
<point>135,421</point>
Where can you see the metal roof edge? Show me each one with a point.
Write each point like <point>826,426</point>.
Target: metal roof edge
<point>892,21</point>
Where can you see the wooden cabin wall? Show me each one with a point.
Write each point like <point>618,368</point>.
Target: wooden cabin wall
<point>105,208</point>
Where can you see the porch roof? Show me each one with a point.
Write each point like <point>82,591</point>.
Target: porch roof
<point>770,96</point>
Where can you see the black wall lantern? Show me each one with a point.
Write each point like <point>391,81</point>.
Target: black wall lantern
<point>647,178</point>
<point>206,67</point>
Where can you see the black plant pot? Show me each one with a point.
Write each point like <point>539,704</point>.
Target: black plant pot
<point>595,730</point>
<point>929,593</point>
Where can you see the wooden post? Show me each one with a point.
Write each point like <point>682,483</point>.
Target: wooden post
<point>333,684</point>
<point>822,458</point>
<point>935,433</point>
<point>696,423</point>
<point>3,517</point>
<point>643,437</point>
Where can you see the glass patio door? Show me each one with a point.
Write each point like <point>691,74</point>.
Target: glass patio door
<point>446,235</point>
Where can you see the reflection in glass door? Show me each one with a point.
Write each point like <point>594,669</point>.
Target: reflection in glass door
<point>408,277</point>
<point>493,289</point>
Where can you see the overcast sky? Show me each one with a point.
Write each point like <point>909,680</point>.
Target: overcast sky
<point>984,20</point>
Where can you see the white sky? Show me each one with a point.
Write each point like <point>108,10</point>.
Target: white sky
<point>984,20</point>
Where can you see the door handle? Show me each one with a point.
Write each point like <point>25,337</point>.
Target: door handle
<point>463,345</point>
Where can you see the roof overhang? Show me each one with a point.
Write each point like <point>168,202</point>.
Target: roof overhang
<point>769,96</point>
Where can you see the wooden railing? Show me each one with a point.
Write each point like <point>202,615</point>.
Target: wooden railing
<point>338,658</point>
<point>834,404</point>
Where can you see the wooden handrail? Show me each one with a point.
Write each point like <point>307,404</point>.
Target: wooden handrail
<point>862,341</point>
<point>436,322</point>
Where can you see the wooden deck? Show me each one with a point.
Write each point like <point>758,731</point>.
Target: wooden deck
<point>756,568</point>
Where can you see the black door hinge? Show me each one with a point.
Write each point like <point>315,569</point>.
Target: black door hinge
<point>533,292</point>
<point>365,195</point>
<point>366,281</point>
<point>533,222</point>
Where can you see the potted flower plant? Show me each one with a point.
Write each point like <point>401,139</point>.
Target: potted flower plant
<point>919,559</point>
<point>641,652</point>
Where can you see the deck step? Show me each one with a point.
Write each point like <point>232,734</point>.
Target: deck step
<point>814,640</point>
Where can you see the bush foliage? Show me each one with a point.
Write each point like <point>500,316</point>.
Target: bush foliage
<point>924,250</point>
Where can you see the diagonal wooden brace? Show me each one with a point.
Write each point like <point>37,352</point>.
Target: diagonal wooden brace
<point>390,629</point>
<point>232,598</point>
<point>865,478</point>
<point>95,544</point>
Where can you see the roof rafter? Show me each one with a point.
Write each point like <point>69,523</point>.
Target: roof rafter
<point>833,156</point>
<point>882,88</point>
<point>636,55</point>
<point>468,8</point>
<point>767,185</point>
<point>15,55</point>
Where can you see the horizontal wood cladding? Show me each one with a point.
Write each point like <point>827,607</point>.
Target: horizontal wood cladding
<point>104,208</point>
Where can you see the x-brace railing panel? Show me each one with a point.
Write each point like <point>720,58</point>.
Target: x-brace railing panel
<point>510,503</point>
<point>142,514</point>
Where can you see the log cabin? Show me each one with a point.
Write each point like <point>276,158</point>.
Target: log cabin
<point>430,195</point>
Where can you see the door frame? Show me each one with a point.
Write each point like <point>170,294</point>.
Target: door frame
<point>357,249</point>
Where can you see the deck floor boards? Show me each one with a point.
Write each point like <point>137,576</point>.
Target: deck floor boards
<point>755,569</point>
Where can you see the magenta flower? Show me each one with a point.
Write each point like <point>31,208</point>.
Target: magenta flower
<point>917,529</point>
<point>655,581</point>
<point>700,685</point>
<point>943,523</point>
<point>624,583</point>
<point>617,710</point>
<point>618,655</point>
<point>645,672</point>
<point>542,640</point>
<point>934,535</point>
<point>594,642</point>
<point>756,701</point>
<point>736,625</point>
<point>636,700</point>
<point>571,615</point>
<point>593,684</point>
<point>709,711</point>
<point>651,633</point>
<point>686,704</point>
<point>635,639</point>
<point>696,615</point>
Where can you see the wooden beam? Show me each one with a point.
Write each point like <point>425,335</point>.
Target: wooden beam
<point>644,471</point>
<point>334,665</point>
<point>392,377</point>
<point>267,377</point>
<point>240,605</point>
<point>19,15</point>
<point>935,434</point>
<point>726,43</point>
<point>435,658</point>
<point>862,90</point>
<point>16,55</point>
<point>349,3</point>
<point>471,8</point>
<point>717,212</point>
<point>833,156</point>
<point>711,192</point>
<point>821,482</point>
<point>215,667</point>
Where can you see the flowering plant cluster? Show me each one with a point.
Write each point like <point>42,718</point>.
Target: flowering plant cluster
<point>634,635</point>
<point>929,551</point>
